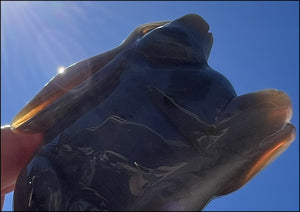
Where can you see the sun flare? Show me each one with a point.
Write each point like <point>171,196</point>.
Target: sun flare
<point>60,69</point>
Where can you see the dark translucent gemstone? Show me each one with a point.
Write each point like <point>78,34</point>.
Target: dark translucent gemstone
<point>148,126</point>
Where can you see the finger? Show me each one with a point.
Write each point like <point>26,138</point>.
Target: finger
<point>16,151</point>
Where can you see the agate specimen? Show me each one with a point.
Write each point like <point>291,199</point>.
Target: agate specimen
<point>148,126</point>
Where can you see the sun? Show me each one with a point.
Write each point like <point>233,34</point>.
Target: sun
<point>60,69</point>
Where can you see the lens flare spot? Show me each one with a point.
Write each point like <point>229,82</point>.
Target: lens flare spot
<point>60,69</point>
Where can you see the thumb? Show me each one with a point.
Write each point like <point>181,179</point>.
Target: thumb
<point>17,149</point>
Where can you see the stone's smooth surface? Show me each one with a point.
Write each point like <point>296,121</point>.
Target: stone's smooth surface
<point>55,96</point>
<point>152,127</point>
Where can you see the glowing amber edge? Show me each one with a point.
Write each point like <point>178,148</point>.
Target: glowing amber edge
<point>274,152</point>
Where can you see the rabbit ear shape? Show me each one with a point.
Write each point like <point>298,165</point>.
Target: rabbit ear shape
<point>72,77</point>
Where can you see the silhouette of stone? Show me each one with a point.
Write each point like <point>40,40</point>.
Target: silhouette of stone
<point>148,126</point>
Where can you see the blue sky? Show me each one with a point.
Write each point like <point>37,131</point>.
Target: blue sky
<point>256,46</point>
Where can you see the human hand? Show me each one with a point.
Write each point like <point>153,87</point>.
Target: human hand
<point>17,150</point>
